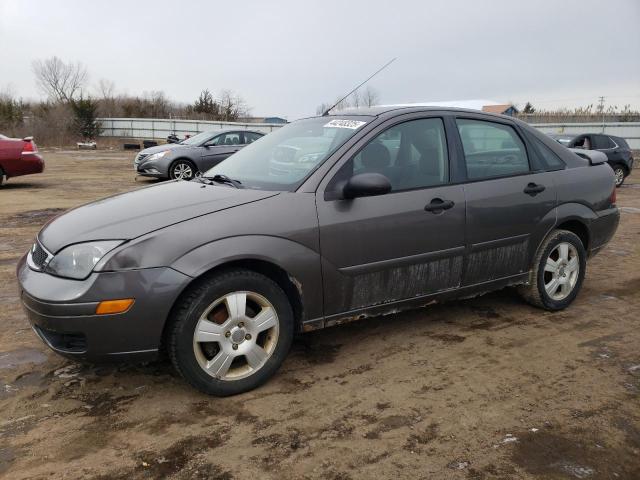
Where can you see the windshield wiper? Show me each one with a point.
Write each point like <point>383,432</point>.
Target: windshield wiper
<point>220,178</point>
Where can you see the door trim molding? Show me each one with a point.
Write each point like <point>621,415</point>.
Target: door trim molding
<point>500,242</point>
<point>354,270</point>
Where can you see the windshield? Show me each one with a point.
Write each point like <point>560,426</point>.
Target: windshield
<point>198,139</point>
<point>283,159</point>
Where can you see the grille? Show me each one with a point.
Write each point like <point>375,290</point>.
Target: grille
<point>66,342</point>
<point>38,255</point>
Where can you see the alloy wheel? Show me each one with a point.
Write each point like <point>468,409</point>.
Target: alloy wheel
<point>619,173</point>
<point>182,171</point>
<point>236,335</point>
<point>561,271</point>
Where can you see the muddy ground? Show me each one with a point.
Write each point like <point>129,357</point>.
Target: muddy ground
<point>477,389</point>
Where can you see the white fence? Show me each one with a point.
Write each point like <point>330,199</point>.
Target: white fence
<point>159,128</point>
<point>630,131</point>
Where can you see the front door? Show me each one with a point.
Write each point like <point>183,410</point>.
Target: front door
<point>401,245</point>
<point>506,200</point>
<point>219,148</point>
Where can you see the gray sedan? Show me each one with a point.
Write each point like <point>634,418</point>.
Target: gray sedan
<point>199,153</point>
<point>324,221</point>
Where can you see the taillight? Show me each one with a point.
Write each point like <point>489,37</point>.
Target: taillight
<point>29,147</point>
<point>613,197</point>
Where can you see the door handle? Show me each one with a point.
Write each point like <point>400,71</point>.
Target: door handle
<point>438,205</point>
<point>533,189</point>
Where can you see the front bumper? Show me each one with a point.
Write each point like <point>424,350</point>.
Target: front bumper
<point>62,311</point>
<point>150,169</point>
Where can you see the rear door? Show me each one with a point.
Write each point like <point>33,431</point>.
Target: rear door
<point>607,146</point>
<point>218,148</point>
<point>508,199</point>
<point>392,247</point>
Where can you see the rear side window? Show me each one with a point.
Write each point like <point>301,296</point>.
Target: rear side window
<point>602,142</point>
<point>250,137</point>
<point>491,149</point>
<point>621,142</point>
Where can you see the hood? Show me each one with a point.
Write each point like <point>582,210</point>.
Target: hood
<point>164,148</point>
<point>129,215</point>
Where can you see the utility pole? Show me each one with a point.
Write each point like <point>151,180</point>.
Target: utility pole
<point>601,107</point>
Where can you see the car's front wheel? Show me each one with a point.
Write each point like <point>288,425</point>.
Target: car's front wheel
<point>182,170</point>
<point>558,271</point>
<point>620,174</point>
<point>231,332</point>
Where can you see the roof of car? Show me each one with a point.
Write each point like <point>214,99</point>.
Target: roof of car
<point>383,109</point>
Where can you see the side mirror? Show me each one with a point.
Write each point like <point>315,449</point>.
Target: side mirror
<point>366,185</point>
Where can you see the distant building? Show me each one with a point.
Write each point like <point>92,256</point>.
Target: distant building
<point>480,104</point>
<point>275,120</point>
<point>505,109</point>
<point>278,120</point>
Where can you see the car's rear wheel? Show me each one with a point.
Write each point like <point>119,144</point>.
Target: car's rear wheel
<point>620,174</point>
<point>558,271</point>
<point>182,170</point>
<point>1,176</point>
<point>231,332</point>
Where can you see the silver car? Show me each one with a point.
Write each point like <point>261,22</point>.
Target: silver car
<point>188,158</point>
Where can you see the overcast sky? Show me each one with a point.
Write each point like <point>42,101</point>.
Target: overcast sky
<point>286,57</point>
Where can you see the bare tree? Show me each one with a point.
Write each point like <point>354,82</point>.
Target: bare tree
<point>370,97</point>
<point>106,89</point>
<point>60,81</point>
<point>232,106</point>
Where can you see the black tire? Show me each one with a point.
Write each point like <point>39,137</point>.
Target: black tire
<point>1,177</point>
<point>187,314</point>
<point>175,166</point>
<point>620,173</point>
<point>534,291</point>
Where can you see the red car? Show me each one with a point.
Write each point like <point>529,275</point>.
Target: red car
<point>19,157</point>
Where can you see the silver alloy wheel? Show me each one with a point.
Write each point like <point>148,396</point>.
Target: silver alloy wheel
<point>561,271</point>
<point>182,171</point>
<point>236,335</point>
<point>619,173</point>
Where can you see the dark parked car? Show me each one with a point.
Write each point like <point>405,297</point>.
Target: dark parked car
<point>19,156</point>
<point>617,150</point>
<point>186,159</point>
<point>326,220</point>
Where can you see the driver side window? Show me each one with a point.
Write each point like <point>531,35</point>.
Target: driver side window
<point>491,149</point>
<point>411,155</point>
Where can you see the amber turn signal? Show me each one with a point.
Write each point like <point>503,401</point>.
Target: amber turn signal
<point>114,306</point>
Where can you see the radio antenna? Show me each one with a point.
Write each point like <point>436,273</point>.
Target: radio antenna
<point>326,112</point>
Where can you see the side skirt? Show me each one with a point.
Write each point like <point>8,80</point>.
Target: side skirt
<point>413,303</point>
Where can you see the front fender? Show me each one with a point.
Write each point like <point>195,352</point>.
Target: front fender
<point>300,262</point>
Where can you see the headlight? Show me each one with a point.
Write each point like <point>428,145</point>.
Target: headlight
<point>310,157</point>
<point>156,156</point>
<point>77,261</point>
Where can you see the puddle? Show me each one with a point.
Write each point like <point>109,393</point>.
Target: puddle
<point>629,209</point>
<point>7,456</point>
<point>20,357</point>
<point>33,217</point>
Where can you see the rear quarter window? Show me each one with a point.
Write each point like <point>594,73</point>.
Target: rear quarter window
<point>548,158</point>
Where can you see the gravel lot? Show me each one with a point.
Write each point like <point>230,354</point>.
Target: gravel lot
<point>478,389</point>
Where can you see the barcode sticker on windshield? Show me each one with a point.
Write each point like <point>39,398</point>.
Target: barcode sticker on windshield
<point>352,124</point>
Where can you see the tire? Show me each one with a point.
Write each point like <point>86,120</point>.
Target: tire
<point>203,330</point>
<point>542,276</point>
<point>188,169</point>
<point>620,174</point>
<point>1,177</point>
